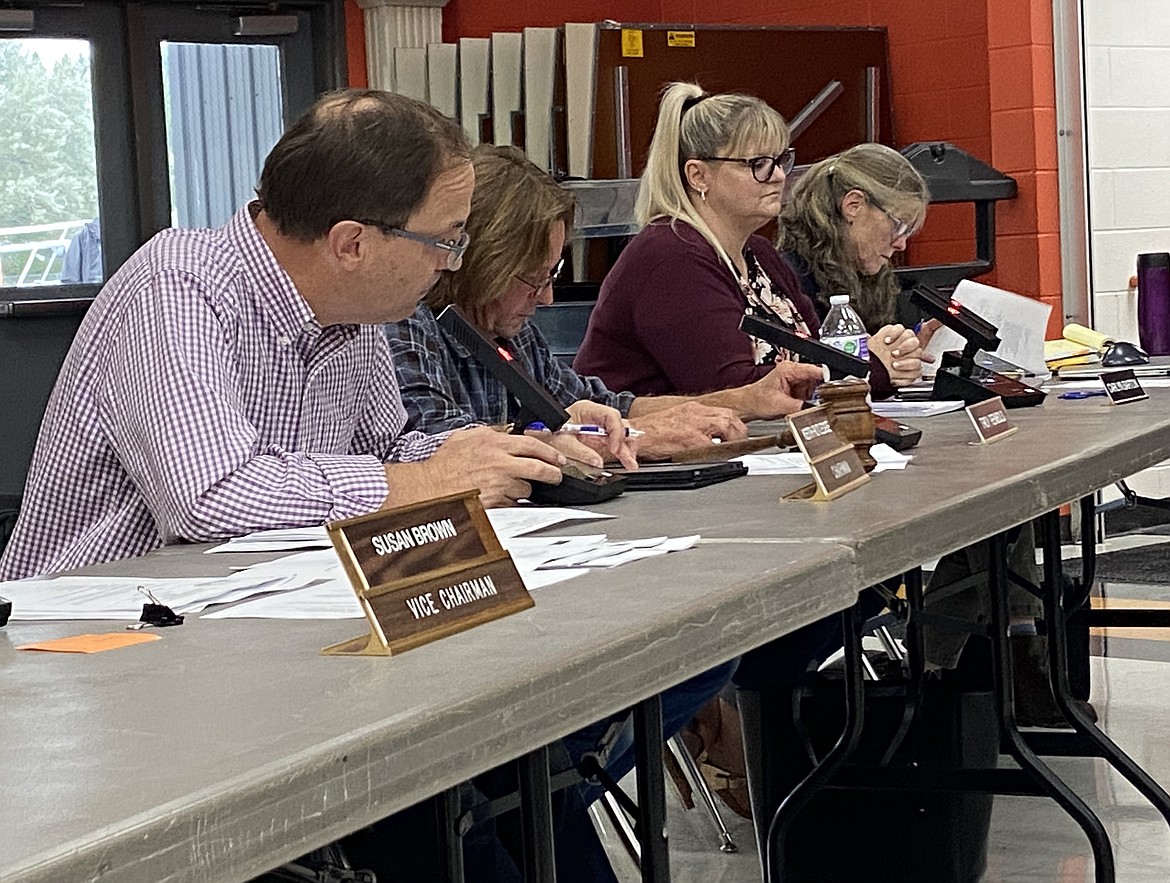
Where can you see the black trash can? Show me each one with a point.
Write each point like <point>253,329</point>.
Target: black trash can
<point>873,836</point>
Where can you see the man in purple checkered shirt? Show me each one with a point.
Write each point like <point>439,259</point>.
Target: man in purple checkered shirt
<point>230,380</point>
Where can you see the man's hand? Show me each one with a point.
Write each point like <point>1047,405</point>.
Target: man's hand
<point>782,391</point>
<point>500,465</point>
<point>900,351</point>
<point>689,425</point>
<point>614,443</point>
<point>591,449</point>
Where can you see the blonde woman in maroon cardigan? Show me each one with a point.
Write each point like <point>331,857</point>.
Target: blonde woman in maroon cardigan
<point>667,319</point>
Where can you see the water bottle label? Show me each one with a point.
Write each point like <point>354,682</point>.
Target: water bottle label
<point>855,345</point>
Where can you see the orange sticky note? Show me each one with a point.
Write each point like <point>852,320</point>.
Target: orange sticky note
<point>92,643</point>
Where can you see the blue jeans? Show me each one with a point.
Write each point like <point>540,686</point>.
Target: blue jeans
<point>401,847</point>
<point>679,705</point>
<point>580,857</point>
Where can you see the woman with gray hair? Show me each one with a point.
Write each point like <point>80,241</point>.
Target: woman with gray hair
<point>843,222</point>
<point>667,319</point>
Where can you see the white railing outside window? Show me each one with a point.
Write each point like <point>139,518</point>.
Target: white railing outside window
<point>35,254</point>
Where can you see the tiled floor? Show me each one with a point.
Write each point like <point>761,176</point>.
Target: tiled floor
<point>1032,840</point>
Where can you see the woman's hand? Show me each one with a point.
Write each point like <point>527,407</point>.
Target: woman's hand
<point>782,391</point>
<point>901,352</point>
<point>925,332</point>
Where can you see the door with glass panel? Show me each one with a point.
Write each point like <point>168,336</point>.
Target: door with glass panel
<point>229,84</point>
<point>51,201</point>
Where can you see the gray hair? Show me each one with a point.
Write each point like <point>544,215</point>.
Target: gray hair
<point>812,226</point>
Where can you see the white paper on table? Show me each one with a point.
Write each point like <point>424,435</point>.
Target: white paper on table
<point>329,594</point>
<point>642,549</point>
<point>887,458</point>
<point>599,551</point>
<point>336,599</point>
<point>796,464</point>
<point>538,579</point>
<point>311,565</point>
<point>506,522</point>
<point>1022,324</point>
<point>897,410</point>
<point>613,554</point>
<point>328,599</point>
<point>532,552</point>
<point>679,544</point>
<point>627,557</point>
<point>775,464</point>
<point>279,540</point>
<point>519,520</point>
<point>1058,386</point>
<point>86,597</point>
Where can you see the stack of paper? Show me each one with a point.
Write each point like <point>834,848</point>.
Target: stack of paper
<point>1078,346</point>
<point>312,584</point>
<point>280,540</point>
<point>541,561</point>
<point>896,409</point>
<point>87,597</point>
<point>795,463</point>
<point>506,523</point>
<point>1022,322</point>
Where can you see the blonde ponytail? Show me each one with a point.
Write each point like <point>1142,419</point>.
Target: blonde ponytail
<point>692,124</point>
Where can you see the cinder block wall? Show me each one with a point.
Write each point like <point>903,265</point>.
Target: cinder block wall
<point>1127,74</point>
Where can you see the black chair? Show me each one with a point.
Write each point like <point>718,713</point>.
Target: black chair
<point>563,326</point>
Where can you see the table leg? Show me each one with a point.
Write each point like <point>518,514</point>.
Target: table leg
<point>851,621</point>
<point>1013,739</point>
<point>651,825</point>
<point>1099,744</point>
<point>449,809</point>
<point>915,661</point>
<point>536,817</point>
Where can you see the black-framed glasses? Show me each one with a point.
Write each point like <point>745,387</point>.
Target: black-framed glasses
<point>901,228</point>
<point>763,167</point>
<point>455,249</point>
<point>552,277</point>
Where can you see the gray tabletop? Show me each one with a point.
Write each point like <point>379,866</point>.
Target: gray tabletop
<point>230,746</point>
<point>952,494</point>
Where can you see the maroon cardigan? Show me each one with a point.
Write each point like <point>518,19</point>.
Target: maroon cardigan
<point>667,319</point>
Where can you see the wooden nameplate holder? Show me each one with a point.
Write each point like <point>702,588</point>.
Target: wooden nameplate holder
<point>836,468</point>
<point>991,422</point>
<point>423,572</point>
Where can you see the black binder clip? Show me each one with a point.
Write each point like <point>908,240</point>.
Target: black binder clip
<point>155,613</point>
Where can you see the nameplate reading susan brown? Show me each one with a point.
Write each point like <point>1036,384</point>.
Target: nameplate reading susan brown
<point>425,571</point>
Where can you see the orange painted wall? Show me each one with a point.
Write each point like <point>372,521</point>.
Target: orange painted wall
<point>355,44</point>
<point>978,73</point>
<point>1023,133</point>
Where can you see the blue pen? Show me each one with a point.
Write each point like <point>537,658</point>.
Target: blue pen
<point>1081,394</point>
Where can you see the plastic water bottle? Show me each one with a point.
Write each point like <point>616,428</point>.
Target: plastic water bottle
<point>844,329</point>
